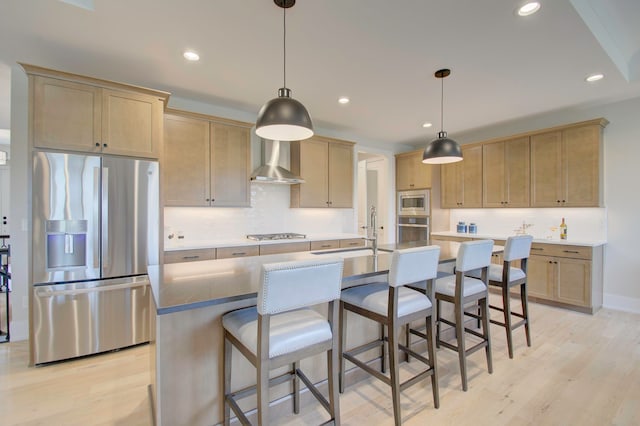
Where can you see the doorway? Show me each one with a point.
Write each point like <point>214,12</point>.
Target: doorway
<point>373,185</point>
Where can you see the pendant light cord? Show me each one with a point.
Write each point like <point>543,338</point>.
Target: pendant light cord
<point>284,43</point>
<point>442,104</point>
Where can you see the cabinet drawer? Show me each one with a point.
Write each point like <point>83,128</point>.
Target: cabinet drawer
<point>325,245</point>
<point>353,242</point>
<point>189,255</point>
<point>284,248</point>
<point>240,251</point>
<point>574,252</point>
<point>451,238</point>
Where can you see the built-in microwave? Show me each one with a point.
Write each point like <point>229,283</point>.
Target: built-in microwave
<point>413,203</point>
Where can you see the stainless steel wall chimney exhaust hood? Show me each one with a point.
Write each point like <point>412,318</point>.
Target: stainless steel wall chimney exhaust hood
<point>270,170</point>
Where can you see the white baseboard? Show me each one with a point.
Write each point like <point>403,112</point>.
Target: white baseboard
<point>621,303</point>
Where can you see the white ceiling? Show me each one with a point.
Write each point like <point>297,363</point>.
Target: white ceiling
<point>380,53</point>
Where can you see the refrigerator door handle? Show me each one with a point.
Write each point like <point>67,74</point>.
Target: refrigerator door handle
<point>96,218</point>
<point>49,292</point>
<point>106,255</point>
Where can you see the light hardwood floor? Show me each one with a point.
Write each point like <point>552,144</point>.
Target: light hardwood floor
<point>581,370</point>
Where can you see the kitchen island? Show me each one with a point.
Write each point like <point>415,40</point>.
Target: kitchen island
<point>189,300</point>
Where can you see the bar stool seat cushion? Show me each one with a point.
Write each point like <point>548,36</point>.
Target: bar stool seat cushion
<point>289,331</point>
<point>447,286</point>
<point>495,273</point>
<point>375,298</point>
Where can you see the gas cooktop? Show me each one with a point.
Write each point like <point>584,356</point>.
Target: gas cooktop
<point>282,236</point>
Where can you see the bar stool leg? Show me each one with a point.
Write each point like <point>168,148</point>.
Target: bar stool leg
<point>395,371</point>
<point>462,356</point>
<point>227,380</point>
<point>431,348</point>
<point>438,325</point>
<point>484,303</point>
<point>383,364</point>
<point>525,311</point>
<point>506,310</point>
<point>332,363</point>
<point>341,346</point>
<point>296,388</point>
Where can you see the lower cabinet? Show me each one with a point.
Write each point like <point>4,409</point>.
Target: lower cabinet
<point>564,280</point>
<point>565,275</point>
<point>194,255</point>
<point>240,251</point>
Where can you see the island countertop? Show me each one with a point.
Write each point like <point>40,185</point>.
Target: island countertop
<point>191,285</point>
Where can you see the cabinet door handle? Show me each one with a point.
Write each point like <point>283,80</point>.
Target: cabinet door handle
<point>571,251</point>
<point>240,253</point>
<point>354,244</point>
<point>191,257</point>
<point>97,143</point>
<point>206,199</point>
<point>537,248</point>
<point>104,145</point>
<point>325,245</point>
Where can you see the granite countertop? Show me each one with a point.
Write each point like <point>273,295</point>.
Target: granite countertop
<point>569,242</point>
<point>181,244</point>
<point>191,285</point>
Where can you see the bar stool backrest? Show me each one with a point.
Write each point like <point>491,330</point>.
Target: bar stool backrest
<point>474,255</point>
<point>413,265</point>
<point>517,247</point>
<point>292,285</point>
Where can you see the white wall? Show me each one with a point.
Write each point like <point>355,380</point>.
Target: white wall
<point>583,224</point>
<point>270,213</point>
<point>621,175</point>
<point>20,205</point>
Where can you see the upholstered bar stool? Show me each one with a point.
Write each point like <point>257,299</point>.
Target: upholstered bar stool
<point>461,290</point>
<point>507,276</point>
<point>393,305</point>
<point>282,329</point>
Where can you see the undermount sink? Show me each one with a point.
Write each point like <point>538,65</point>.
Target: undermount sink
<point>350,252</point>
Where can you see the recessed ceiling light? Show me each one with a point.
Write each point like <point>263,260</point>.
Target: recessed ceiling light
<point>529,8</point>
<point>594,77</point>
<point>343,100</point>
<point>190,55</point>
<point>427,124</point>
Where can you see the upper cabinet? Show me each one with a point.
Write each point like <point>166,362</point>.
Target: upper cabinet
<point>77,113</point>
<point>206,161</point>
<point>326,165</point>
<point>566,166</point>
<point>411,172</point>
<point>461,182</point>
<point>505,168</point>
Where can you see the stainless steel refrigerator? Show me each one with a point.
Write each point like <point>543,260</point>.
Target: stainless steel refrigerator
<point>95,230</point>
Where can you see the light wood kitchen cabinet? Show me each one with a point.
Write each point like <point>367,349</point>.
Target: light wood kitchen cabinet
<point>411,172</point>
<point>325,245</point>
<point>566,166</point>
<point>505,168</point>
<point>352,243</point>
<point>461,182</point>
<point>77,113</point>
<point>284,248</point>
<point>206,162</point>
<point>566,274</point>
<point>569,276</point>
<point>239,251</point>
<point>326,165</point>
<point>190,255</point>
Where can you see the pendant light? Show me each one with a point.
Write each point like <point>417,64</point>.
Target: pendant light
<point>283,118</point>
<point>442,150</point>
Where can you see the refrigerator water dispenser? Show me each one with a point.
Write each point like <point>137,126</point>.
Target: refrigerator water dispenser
<point>66,243</point>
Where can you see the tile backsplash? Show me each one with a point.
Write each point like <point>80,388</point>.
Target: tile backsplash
<point>582,223</point>
<point>269,213</point>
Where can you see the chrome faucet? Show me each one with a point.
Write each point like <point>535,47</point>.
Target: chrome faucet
<point>373,230</point>
<point>522,230</point>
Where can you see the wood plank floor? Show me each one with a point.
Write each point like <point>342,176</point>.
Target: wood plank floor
<point>581,370</point>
